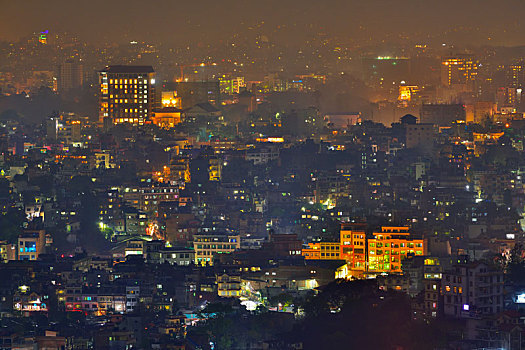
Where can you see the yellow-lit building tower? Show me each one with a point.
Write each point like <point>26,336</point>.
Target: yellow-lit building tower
<point>515,75</point>
<point>127,94</point>
<point>459,71</point>
<point>390,246</point>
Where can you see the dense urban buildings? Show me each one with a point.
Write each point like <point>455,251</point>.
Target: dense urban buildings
<point>287,184</point>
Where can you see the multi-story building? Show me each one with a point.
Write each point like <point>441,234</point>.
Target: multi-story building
<point>432,298</point>
<point>282,245</point>
<point>231,85</point>
<point>215,168</point>
<point>389,247</point>
<point>228,285</point>
<point>262,155</point>
<point>408,93</point>
<point>180,169</point>
<point>420,136</point>
<point>7,251</point>
<point>70,76</point>
<point>166,117</point>
<point>132,297</point>
<point>515,75</point>
<point>147,198</point>
<point>170,99</point>
<point>460,70</point>
<point>177,256</point>
<point>31,244</point>
<point>102,160</point>
<point>127,94</point>
<point>442,114</point>
<point>472,289</point>
<point>134,221</point>
<point>323,251</point>
<point>353,247</point>
<point>111,301</point>
<point>331,188</point>
<point>206,245</point>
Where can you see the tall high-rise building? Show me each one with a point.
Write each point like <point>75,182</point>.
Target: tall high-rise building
<point>127,94</point>
<point>70,75</point>
<point>460,70</point>
<point>515,75</point>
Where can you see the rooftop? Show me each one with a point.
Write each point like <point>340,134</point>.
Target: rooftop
<point>128,69</point>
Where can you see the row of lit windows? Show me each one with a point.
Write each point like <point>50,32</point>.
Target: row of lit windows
<point>134,96</point>
<point>212,239</point>
<point>383,267</point>
<point>125,81</point>
<point>402,245</point>
<point>128,120</point>
<point>209,252</point>
<point>126,101</point>
<point>218,246</point>
<point>333,247</point>
<point>394,252</point>
<point>131,90</point>
<point>330,254</point>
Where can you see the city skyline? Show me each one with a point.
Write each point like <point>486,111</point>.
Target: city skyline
<point>479,23</point>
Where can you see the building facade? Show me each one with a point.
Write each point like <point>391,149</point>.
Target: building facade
<point>389,247</point>
<point>127,94</point>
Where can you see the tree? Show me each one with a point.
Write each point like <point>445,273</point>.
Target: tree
<point>11,224</point>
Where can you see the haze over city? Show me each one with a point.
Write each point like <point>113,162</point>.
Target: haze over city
<point>291,174</point>
<point>174,22</point>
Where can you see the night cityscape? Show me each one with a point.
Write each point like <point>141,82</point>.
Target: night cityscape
<point>263,175</point>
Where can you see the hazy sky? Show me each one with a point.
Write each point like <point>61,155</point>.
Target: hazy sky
<point>177,21</point>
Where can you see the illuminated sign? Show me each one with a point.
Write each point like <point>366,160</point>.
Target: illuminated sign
<point>271,139</point>
<point>42,38</point>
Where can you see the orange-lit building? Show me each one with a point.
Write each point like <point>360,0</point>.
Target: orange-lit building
<point>353,247</point>
<point>170,99</point>
<point>166,117</point>
<point>323,251</point>
<point>390,246</point>
<point>381,254</point>
<point>408,93</point>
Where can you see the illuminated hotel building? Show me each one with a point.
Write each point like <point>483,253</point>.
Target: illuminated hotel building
<point>389,247</point>
<point>459,70</point>
<point>127,94</point>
